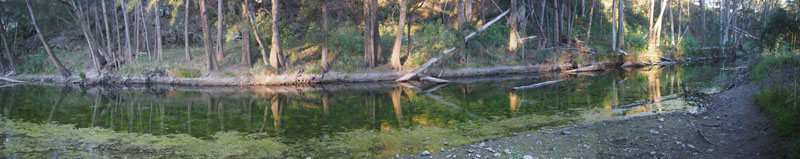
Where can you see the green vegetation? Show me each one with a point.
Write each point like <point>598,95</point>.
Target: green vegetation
<point>777,66</point>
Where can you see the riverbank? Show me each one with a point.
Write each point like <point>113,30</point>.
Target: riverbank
<point>731,127</point>
<point>300,78</point>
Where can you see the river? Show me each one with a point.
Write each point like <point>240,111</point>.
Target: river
<point>344,120</point>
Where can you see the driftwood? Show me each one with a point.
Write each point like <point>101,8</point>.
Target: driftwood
<point>585,69</point>
<point>433,79</point>
<point>11,80</point>
<point>537,85</point>
<point>430,62</point>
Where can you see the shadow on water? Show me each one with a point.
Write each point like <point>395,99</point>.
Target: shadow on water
<point>377,118</point>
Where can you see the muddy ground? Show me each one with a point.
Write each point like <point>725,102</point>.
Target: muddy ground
<point>732,127</point>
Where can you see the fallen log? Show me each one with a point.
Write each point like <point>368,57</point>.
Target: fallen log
<point>430,62</point>
<point>433,79</point>
<point>537,85</point>
<point>11,80</point>
<point>585,69</point>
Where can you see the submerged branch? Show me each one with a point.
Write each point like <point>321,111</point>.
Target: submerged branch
<point>537,85</point>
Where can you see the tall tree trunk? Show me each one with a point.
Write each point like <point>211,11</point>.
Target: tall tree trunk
<point>614,26</point>
<point>136,32</point>
<point>108,32</point>
<point>245,38</point>
<point>128,53</point>
<point>369,58</point>
<point>220,20</point>
<point>211,61</point>
<point>146,39</point>
<point>589,30</point>
<point>324,59</point>
<point>703,24</point>
<point>671,28</point>
<point>11,59</point>
<point>159,50</point>
<point>513,23</point>
<point>63,71</point>
<point>254,27</point>
<point>483,11</point>
<point>276,58</point>
<point>467,10</point>
<point>460,17</point>
<point>656,32</point>
<point>376,34</point>
<point>186,37</point>
<point>621,25</point>
<point>398,40</point>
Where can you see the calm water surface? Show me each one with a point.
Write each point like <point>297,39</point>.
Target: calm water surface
<point>298,113</point>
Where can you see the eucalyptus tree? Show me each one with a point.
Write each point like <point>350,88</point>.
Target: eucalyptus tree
<point>57,63</point>
<point>398,40</point>
<point>211,61</point>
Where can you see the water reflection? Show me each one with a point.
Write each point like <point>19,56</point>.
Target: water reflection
<point>309,112</point>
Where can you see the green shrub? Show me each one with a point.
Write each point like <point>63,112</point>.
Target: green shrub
<point>185,73</point>
<point>635,42</point>
<point>686,47</point>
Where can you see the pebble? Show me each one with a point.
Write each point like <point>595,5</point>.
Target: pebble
<point>654,132</point>
<point>709,150</point>
<point>483,144</point>
<point>691,146</point>
<point>566,133</point>
<point>705,117</point>
<point>398,156</point>
<point>677,142</point>
<point>427,138</point>
<point>542,129</point>
<point>442,149</point>
<point>425,153</point>
<point>478,156</point>
<point>448,156</point>
<point>496,154</point>
<point>527,157</point>
<point>446,143</point>
<point>653,153</point>
<point>660,126</point>
<point>507,151</point>
<point>470,151</point>
<point>661,119</point>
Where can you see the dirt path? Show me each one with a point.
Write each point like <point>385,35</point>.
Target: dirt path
<point>744,131</point>
<point>733,127</point>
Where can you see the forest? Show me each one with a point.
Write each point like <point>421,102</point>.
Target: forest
<point>210,38</point>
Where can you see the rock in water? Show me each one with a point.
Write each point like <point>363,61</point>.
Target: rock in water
<point>661,119</point>
<point>654,132</point>
<point>691,146</point>
<point>566,133</point>
<point>425,153</point>
<point>527,157</point>
<point>507,151</point>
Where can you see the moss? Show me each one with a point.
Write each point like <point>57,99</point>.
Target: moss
<point>30,138</point>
